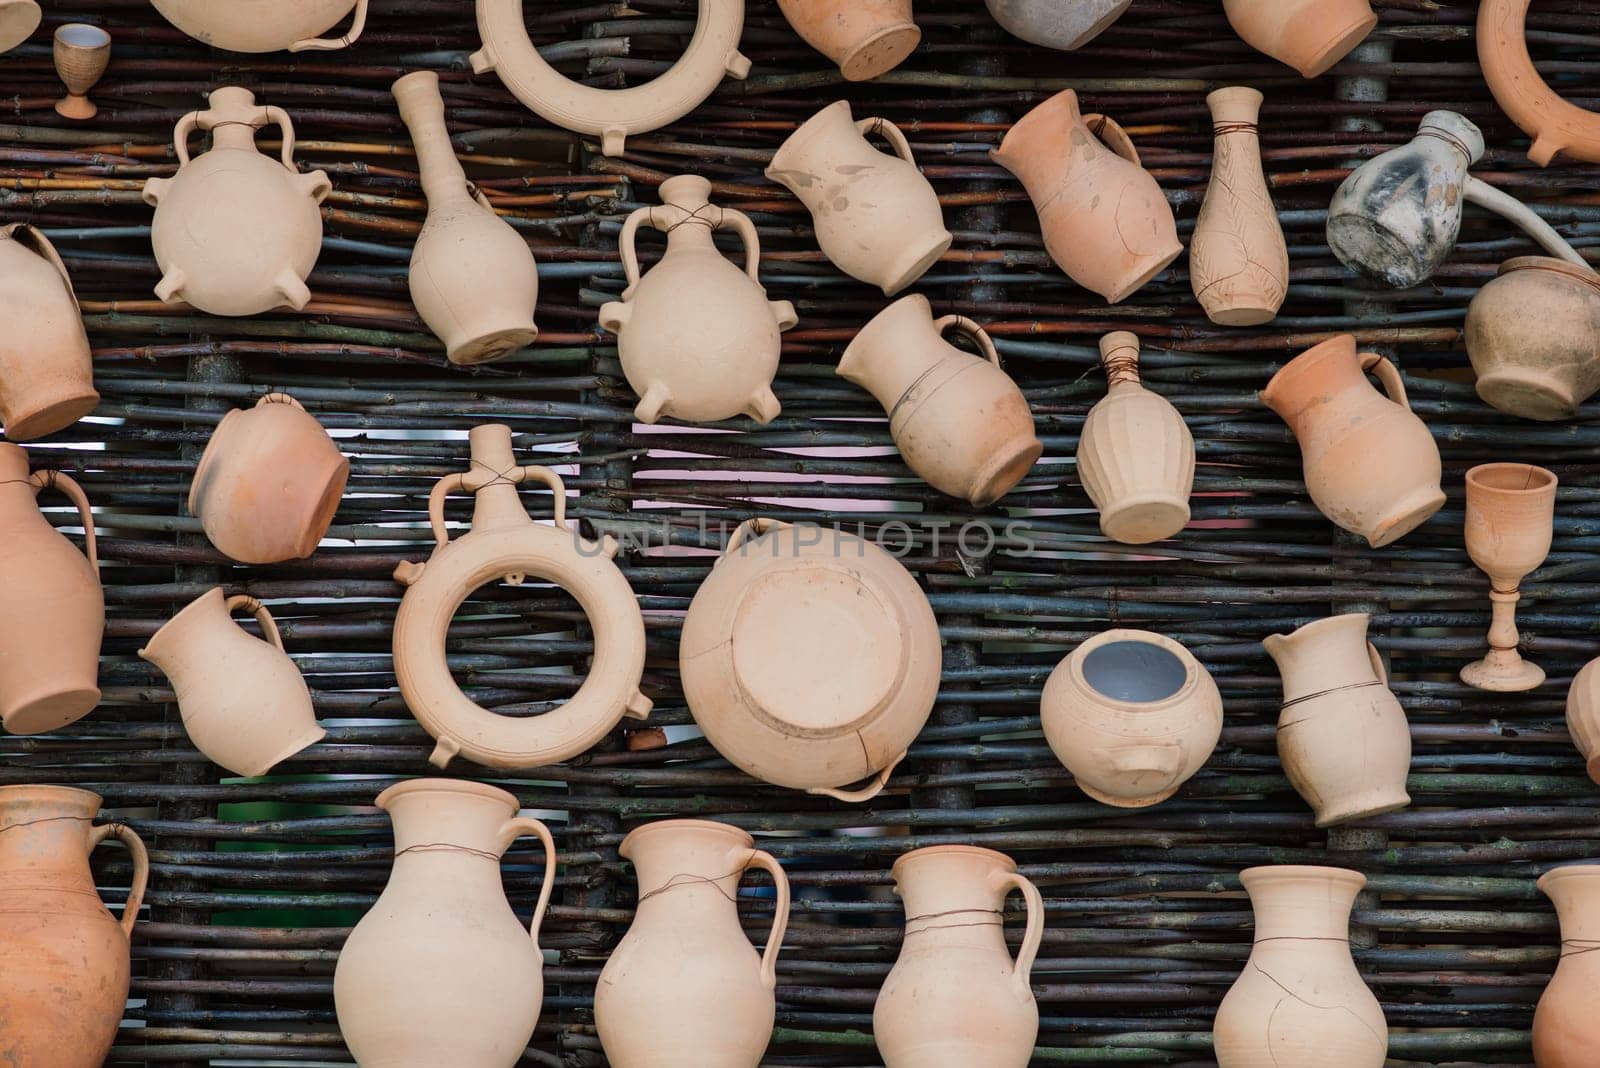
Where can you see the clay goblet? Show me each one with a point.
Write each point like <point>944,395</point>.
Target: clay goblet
<point>82,52</point>
<point>1510,514</point>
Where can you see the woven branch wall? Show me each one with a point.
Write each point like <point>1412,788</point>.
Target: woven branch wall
<point>256,883</point>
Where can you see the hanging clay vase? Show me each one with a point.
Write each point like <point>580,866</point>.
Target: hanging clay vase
<point>63,956</point>
<point>18,20</point>
<point>1370,464</point>
<point>266,25</point>
<point>1238,262</point>
<point>1566,1028</point>
<point>959,421</point>
<point>52,610</point>
<point>1300,1000</point>
<point>955,998</point>
<point>1135,456</point>
<point>1343,739</point>
<point>698,338</point>
<point>235,232</point>
<point>1309,35</point>
<point>865,38</point>
<point>1104,218</point>
<point>1063,24</point>
<point>1556,124</point>
<point>46,375</point>
<point>473,277</point>
<point>810,658</point>
<point>269,482</point>
<point>1533,333</point>
<point>685,988</point>
<point>441,971</point>
<point>243,701</point>
<point>1583,715</point>
<point>876,217</point>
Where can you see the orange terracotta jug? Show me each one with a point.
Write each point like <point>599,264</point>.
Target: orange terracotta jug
<point>1566,1028</point>
<point>46,375</point>
<point>865,38</point>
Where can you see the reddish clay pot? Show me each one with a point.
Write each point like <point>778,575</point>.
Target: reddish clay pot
<point>1566,1029</point>
<point>865,38</point>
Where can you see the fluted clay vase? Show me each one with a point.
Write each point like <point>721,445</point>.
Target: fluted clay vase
<point>1064,24</point>
<point>63,956</point>
<point>955,998</point>
<point>236,232</point>
<point>243,701</point>
<point>1509,527</point>
<point>685,988</point>
<point>18,20</point>
<point>1300,1000</point>
<point>865,38</point>
<point>1566,1028</point>
<point>441,971</point>
<point>81,53</point>
<point>1135,456</point>
<point>876,217</point>
<point>697,336</point>
<point>52,610</point>
<point>268,485</point>
<point>1533,333</point>
<point>1583,716</point>
<point>46,375</point>
<point>1238,262</point>
<point>1104,218</point>
<point>1308,35</point>
<point>959,421</point>
<point>266,25</point>
<point>473,277</point>
<point>1370,464</point>
<point>1343,739</point>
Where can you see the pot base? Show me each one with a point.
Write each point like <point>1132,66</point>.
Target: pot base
<point>80,108</point>
<point>1142,520</point>
<point>1242,316</point>
<point>1408,517</point>
<point>1000,475</point>
<point>56,415</point>
<point>880,53</point>
<point>492,345</point>
<point>1152,268</point>
<point>52,711</point>
<point>1501,677</point>
<point>1365,806</point>
<point>1342,44</point>
<point>1527,393</point>
<point>1124,802</point>
<point>916,264</point>
<point>299,744</point>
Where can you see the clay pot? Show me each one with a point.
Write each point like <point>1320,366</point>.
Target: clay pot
<point>1309,35</point>
<point>1343,739</point>
<point>1583,715</point>
<point>1238,262</point>
<point>1135,456</point>
<point>1371,466</point>
<point>63,956</point>
<point>685,988</point>
<point>1556,125</point>
<point>865,38</point>
<point>1300,1000</point>
<point>441,971</point>
<point>1533,333</point>
<point>1509,527</point>
<point>46,373</point>
<point>698,338</point>
<point>18,20</point>
<point>955,998</point>
<point>876,217</point>
<point>52,611</point>
<point>235,232</point>
<point>810,658</point>
<point>266,25</point>
<point>959,421</point>
<point>1565,1027</point>
<point>1133,715</point>
<point>1064,24</point>
<point>1104,218</point>
<point>473,277</point>
<point>243,701</point>
<point>82,53</point>
<point>269,482</point>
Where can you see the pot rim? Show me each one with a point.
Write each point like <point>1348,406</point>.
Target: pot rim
<point>442,785</point>
<point>1549,263</point>
<point>1541,480</point>
<point>743,836</point>
<point>805,132</point>
<point>1325,623</point>
<point>1274,873</point>
<point>1192,668</point>
<point>927,852</point>
<point>215,593</point>
<point>1339,344</point>
<point>1584,870</point>
<point>13,792</point>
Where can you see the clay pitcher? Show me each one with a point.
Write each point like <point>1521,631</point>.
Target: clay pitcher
<point>1064,24</point>
<point>243,701</point>
<point>685,988</point>
<point>1309,35</point>
<point>1104,218</point>
<point>63,956</point>
<point>865,38</point>
<point>1533,334</point>
<point>441,971</point>
<point>958,419</point>
<point>1238,262</point>
<point>266,25</point>
<point>1583,716</point>
<point>1565,1026</point>
<point>46,377</point>
<point>1300,1000</point>
<point>52,610</point>
<point>955,998</point>
<point>1370,464</point>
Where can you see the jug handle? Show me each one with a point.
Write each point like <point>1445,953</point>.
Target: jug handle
<point>43,480</point>
<point>1109,132</point>
<point>630,255</point>
<point>780,915</point>
<point>866,793</point>
<point>329,44</point>
<point>741,224</point>
<point>473,481</point>
<point>181,134</point>
<point>1389,375</point>
<point>269,626</point>
<point>1479,192</point>
<point>1377,663</point>
<point>281,119</point>
<point>141,867</point>
<point>759,526</point>
<point>891,133</point>
<point>727,217</point>
<point>1022,971</point>
<point>518,827</point>
<point>977,333</point>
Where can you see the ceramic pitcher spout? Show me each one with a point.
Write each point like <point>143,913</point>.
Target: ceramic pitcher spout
<point>1015,154</point>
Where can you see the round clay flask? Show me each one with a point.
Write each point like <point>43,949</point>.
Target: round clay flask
<point>266,25</point>
<point>18,20</point>
<point>1583,716</point>
<point>1309,35</point>
<point>1566,1028</point>
<point>865,38</point>
<point>46,373</point>
<point>1533,333</point>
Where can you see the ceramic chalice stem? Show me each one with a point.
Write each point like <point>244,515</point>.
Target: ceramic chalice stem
<point>1510,514</point>
<point>82,52</point>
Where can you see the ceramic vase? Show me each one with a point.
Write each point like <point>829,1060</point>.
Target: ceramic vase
<point>1308,35</point>
<point>685,988</point>
<point>955,998</point>
<point>865,38</point>
<point>18,20</point>
<point>1064,24</point>
<point>266,25</point>
<point>1565,1026</point>
<point>1533,333</point>
<point>46,373</point>
<point>1106,222</point>
<point>959,421</point>
<point>1238,262</point>
<point>1510,520</point>
<point>697,336</point>
<point>1583,715</point>
<point>81,53</point>
<point>441,971</point>
<point>876,217</point>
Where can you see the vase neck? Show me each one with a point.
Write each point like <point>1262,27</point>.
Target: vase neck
<point>1302,903</point>
<point>689,869</point>
<point>46,829</point>
<point>493,462</point>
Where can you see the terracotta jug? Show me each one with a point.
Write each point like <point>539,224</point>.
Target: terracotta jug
<point>1238,262</point>
<point>63,956</point>
<point>235,232</point>
<point>1064,24</point>
<point>268,485</point>
<point>473,277</point>
<point>1583,715</point>
<point>1533,333</point>
<point>18,20</point>
<point>1309,35</point>
<point>441,971</point>
<point>1300,1000</point>
<point>46,375</point>
<point>698,338</point>
<point>865,38</point>
<point>1343,739</point>
<point>876,217</point>
<point>1105,220</point>
<point>685,988</point>
<point>1135,456</point>
<point>958,419</point>
<point>243,701</point>
<point>955,998</point>
<point>1371,466</point>
<point>266,25</point>
<point>1566,1028</point>
<point>52,610</point>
